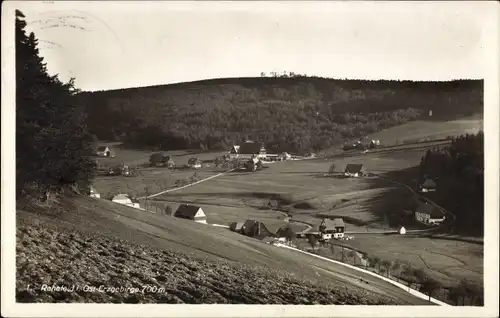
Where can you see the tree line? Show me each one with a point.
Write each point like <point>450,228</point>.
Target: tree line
<point>459,173</point>
<point>53,146</point>
<point>295,114</point>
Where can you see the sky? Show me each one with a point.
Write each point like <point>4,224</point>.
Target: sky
<point>110,45</point>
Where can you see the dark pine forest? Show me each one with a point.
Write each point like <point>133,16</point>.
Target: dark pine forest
<point>295,114</point>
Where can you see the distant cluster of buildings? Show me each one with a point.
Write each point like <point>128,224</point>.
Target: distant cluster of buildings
<point>251,149</point>
<point>248,149</point>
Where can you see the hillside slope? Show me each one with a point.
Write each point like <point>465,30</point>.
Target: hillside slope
<point>289,114</point>
<point>84,241</point>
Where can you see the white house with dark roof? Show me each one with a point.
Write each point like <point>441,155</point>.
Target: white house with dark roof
<point>332,228</point>
<point>191,212</point>
<point>429,214</point>
<point>353,170</point>
<point>428,185</point>
<point>104,151</point>
<point>126,200</point>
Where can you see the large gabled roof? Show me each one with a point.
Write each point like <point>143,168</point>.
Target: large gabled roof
<point>187,210</point>
<point>353,168</point>
<point>121,196</point>
<point>429,183</point>
<point>427,208</point>
<point>273,228</point>
<point>331,224</point>
<point>250,148</point>
<point>338,222</point>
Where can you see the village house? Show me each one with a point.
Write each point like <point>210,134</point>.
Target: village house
<point>428,214</point>
<point>191,212</point>
<point>332,229</point>
<point>353,170</point>
<point>428,185</point>
<point>104,151</point>
<point>126,200</point>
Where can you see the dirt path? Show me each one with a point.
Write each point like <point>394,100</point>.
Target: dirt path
<point>183,187</point>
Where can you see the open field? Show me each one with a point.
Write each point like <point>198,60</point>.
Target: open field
<point>177,255</point>
<point>416,134</point>
<point>149,180</point>
<point>420,130</point>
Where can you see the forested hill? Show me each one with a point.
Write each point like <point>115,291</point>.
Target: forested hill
<point>288,114</point>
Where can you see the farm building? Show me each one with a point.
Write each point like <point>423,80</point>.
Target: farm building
<point>353,170</point>
<point>191,212</point>
<point>125,200</point>
<point>427,213</point>
<point>104,151</point>
<point>250,148</point>
<point>428,185</point>
<point>329,228</point>
<point>255,229</point>
<point>194,163</point>
<point>93,192</point>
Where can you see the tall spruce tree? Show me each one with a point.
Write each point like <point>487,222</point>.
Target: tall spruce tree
<point>53,147</point>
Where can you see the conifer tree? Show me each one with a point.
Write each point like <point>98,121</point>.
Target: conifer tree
<point>53,146</point>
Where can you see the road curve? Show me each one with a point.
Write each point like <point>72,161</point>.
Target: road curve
<point>379,277</point>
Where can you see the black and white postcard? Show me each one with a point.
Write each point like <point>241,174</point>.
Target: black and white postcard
<point>250,158</point>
